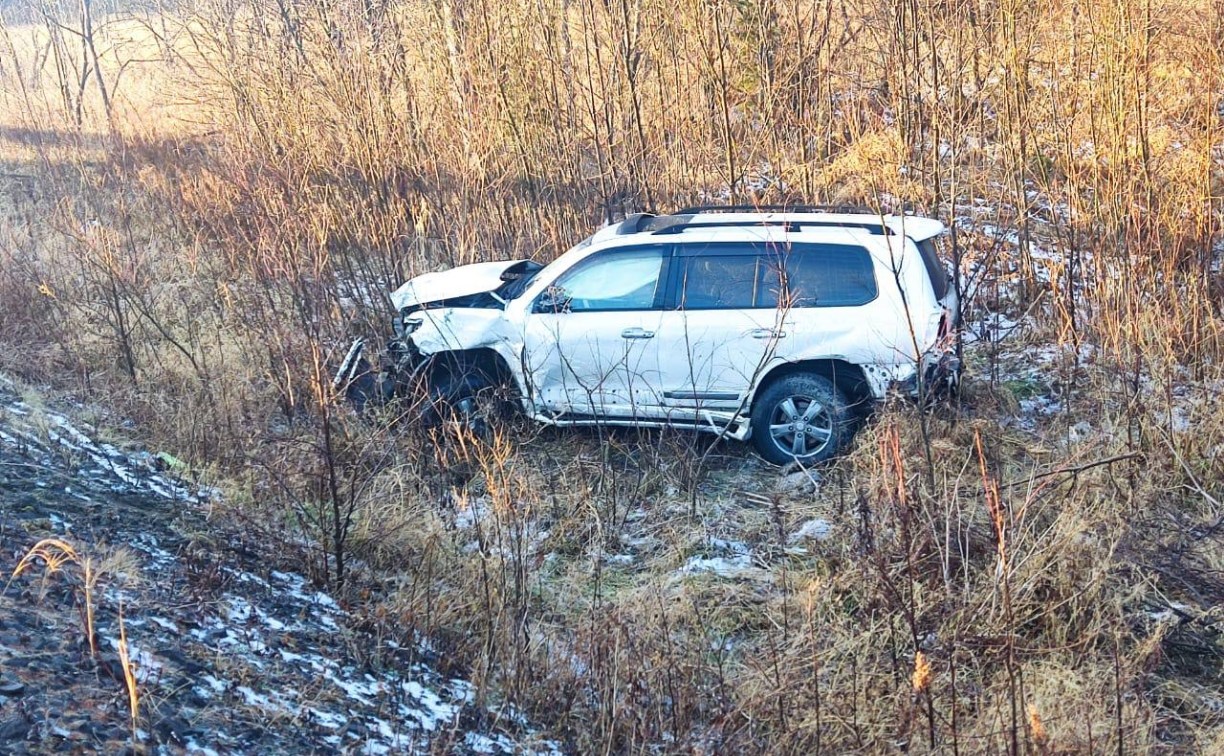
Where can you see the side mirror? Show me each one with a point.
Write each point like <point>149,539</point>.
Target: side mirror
<point>554,299</point>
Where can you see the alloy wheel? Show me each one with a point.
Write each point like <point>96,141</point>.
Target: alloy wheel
<point>800,426</point>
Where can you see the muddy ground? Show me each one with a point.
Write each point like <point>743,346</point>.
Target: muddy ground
<point>231,651</point>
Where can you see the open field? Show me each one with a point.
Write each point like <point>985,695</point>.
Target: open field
<point>200,206</point>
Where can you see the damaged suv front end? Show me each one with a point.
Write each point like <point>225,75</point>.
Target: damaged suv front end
<point>456,311</point>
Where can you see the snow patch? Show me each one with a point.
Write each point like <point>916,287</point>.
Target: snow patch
<point>814,530</point>
<point>728,559</point>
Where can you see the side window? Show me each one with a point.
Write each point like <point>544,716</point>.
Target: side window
<point>619,279</point>
<point>718,282</point>
<point>820,275</point>
<point>771,273</point>
<point>728,276</point>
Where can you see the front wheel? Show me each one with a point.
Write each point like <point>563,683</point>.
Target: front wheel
<point>469,402</point>
<point>801,417</point>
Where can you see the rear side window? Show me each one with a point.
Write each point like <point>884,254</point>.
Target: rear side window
<point>719,282</point>
<point>741,276</point>
<point>934,267</point>
<point>820,275</point>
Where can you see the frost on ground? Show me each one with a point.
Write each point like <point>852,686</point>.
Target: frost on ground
<point>1008,348</point>
<point>725,559</point>
<point>230,654</point>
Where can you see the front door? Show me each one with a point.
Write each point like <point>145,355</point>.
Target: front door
<point>591,339</point>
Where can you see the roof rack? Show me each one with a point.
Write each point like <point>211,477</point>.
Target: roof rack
<point>689,218</point>
<point>843,209</point>
<point>790,227</point>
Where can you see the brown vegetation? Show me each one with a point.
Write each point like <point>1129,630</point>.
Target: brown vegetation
<point>200,208</point>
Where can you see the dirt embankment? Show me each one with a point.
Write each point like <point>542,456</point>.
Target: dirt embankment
<point>230,651</point>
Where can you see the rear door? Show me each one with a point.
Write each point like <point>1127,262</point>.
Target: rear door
<point>826,291</point>
<point>719,327</point>
<point>736,309</point>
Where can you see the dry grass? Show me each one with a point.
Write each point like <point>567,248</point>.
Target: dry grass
<point>1041,580</point>
<point>54,555</point>
<point>129,680</point>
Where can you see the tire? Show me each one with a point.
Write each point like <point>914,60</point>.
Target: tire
<point>788,402</point>
<point>469,401</point>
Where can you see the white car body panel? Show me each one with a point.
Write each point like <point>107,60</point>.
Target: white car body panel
<point>459,329</point>
<point>581,362</point>
<point>711,358</point>
<point>447,284</point>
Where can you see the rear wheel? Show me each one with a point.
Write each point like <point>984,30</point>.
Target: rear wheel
<point>800,417</point>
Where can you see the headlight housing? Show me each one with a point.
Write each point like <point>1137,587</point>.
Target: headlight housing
<point>407,322</point>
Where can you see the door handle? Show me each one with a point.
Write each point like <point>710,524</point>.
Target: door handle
<point>766,333</point>
<point>637,333</point>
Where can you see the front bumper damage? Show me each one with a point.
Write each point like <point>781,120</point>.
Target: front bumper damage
<point>400,366</point>
<point>350,367</point>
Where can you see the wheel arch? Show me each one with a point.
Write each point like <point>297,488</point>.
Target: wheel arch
<point>846,376</point>
<point>484,361</point>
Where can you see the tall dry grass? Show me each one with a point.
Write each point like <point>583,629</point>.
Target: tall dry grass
<point>201,249</point>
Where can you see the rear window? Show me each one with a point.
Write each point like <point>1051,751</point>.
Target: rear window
<point>934,267</point>
<point>821,275</point>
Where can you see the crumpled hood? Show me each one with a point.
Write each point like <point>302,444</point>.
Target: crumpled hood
<point>448,284</point>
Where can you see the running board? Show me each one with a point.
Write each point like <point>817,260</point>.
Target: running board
<point>736,429</point>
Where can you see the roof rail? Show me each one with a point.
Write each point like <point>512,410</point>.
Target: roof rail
<point>691,218</point>
<point>790,227</point>
<point>675,224</point>
<point>845,209</point>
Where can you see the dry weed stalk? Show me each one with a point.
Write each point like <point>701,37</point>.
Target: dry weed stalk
<point>55,554</point>
<point>1037,730</point>
<point>921,678</point>
<point>129,677</point>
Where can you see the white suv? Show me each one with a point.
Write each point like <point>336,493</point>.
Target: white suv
<point>771,324</point>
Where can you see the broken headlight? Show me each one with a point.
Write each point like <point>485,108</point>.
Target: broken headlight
<point>405,323</point>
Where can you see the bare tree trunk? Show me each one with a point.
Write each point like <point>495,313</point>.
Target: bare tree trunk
<point>59,53</point>
<point>721,40</point>
<point>632,56</point>
<point>87,42</point>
